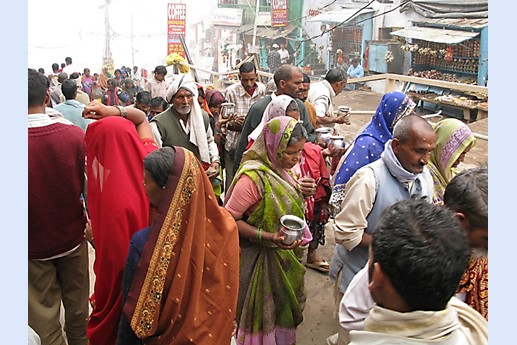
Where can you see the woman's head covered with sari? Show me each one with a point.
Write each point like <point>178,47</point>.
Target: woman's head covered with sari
<point>454,140</point>
<point>369,144</point>
<point>118,207</point>
<point>268,162</point>
<point>282,105</point>
<point>214,98</point>
<point>186,282</point>
<point>270,146</point>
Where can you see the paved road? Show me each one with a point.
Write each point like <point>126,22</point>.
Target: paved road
<point>319,321</point>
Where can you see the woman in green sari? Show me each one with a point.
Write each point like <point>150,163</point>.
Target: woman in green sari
<point>271,284</point>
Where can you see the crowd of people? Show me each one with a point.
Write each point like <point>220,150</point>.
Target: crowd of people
<point>183,200</point>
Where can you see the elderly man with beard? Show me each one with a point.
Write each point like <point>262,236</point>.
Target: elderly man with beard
<point>185,124</point>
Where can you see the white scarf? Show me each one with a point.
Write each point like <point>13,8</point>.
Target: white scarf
<point>415,182</point>
<point>197,135</point>
<point>432,326</point>
<point>394,166</point>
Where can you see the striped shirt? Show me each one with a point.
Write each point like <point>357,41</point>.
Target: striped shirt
<point>243,101</point>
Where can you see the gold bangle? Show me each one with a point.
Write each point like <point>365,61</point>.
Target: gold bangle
<point>122,110</point>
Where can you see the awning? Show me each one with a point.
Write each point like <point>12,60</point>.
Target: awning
<point>267,32</point>
<point>243,29</point>
<point>447,9</point>
<point>435,35</point>
<point>344,15</point>
<point>276,33</point>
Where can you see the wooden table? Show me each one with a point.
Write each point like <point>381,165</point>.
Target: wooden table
<point>420,98</point>
<point>482,112</point>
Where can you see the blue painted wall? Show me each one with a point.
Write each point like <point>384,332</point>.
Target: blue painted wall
<point>483,57</point>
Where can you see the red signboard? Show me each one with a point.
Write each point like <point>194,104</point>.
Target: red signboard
<point>176,25</point>
<point>278,13</point>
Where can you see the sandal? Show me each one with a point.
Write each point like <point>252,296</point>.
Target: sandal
<point>321,266</point>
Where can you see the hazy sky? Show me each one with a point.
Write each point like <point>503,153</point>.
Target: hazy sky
<point>75,28</point>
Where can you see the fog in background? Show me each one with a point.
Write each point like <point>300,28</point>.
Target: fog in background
<point>75,28</point>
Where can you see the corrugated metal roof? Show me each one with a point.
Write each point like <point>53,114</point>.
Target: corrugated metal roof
<point>435,35</point>
<point>447,8</point>
<point>274,33</point>
<point>244,28</point>
<point>464,23</point>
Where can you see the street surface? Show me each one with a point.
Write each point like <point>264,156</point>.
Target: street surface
<point>319,322</point>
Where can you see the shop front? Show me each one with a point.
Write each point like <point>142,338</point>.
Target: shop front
<point>345,32</point>
<point>453,50</point>
<point>448,49</point>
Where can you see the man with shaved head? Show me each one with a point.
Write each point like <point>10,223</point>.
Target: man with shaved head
<point>399,174</point>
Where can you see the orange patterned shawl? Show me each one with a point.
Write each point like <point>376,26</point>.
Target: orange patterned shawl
<point>186,283</point>
<point>474,284</point>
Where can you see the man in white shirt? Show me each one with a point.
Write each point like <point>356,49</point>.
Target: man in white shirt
<point>321,95</point>
<point>158,84</point>
<point>399,174</point>
<point>284,54</point>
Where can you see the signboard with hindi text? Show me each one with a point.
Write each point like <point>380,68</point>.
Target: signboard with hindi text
<point>279,13</point>
<point>176,25</point>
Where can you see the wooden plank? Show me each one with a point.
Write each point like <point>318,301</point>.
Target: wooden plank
<point>483,90</point>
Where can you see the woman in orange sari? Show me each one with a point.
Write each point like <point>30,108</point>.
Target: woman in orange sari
<point>103,78</point>
<point>182,274</point>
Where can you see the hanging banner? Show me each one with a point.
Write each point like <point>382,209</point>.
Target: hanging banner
<point>278,13</point>
<point>176,25</point>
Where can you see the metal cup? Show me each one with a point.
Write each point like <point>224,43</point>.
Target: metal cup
<point>323,135</point>
<point>345,110</point>
<point>292,228</point>
<point>227,110</point>
<point>336,142</point>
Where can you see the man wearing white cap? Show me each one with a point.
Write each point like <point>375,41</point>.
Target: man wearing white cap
<point>185,124</point>
<point>273,58</point>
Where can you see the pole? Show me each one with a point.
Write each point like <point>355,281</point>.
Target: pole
<point>107,50</point>
<point>187,55</point>
<point>255,27</point>
<point>132,41</point>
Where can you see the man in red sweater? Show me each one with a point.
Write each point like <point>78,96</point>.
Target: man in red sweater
<point>58,253</point>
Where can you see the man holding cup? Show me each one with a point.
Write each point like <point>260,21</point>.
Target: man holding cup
<point>321,95</point>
